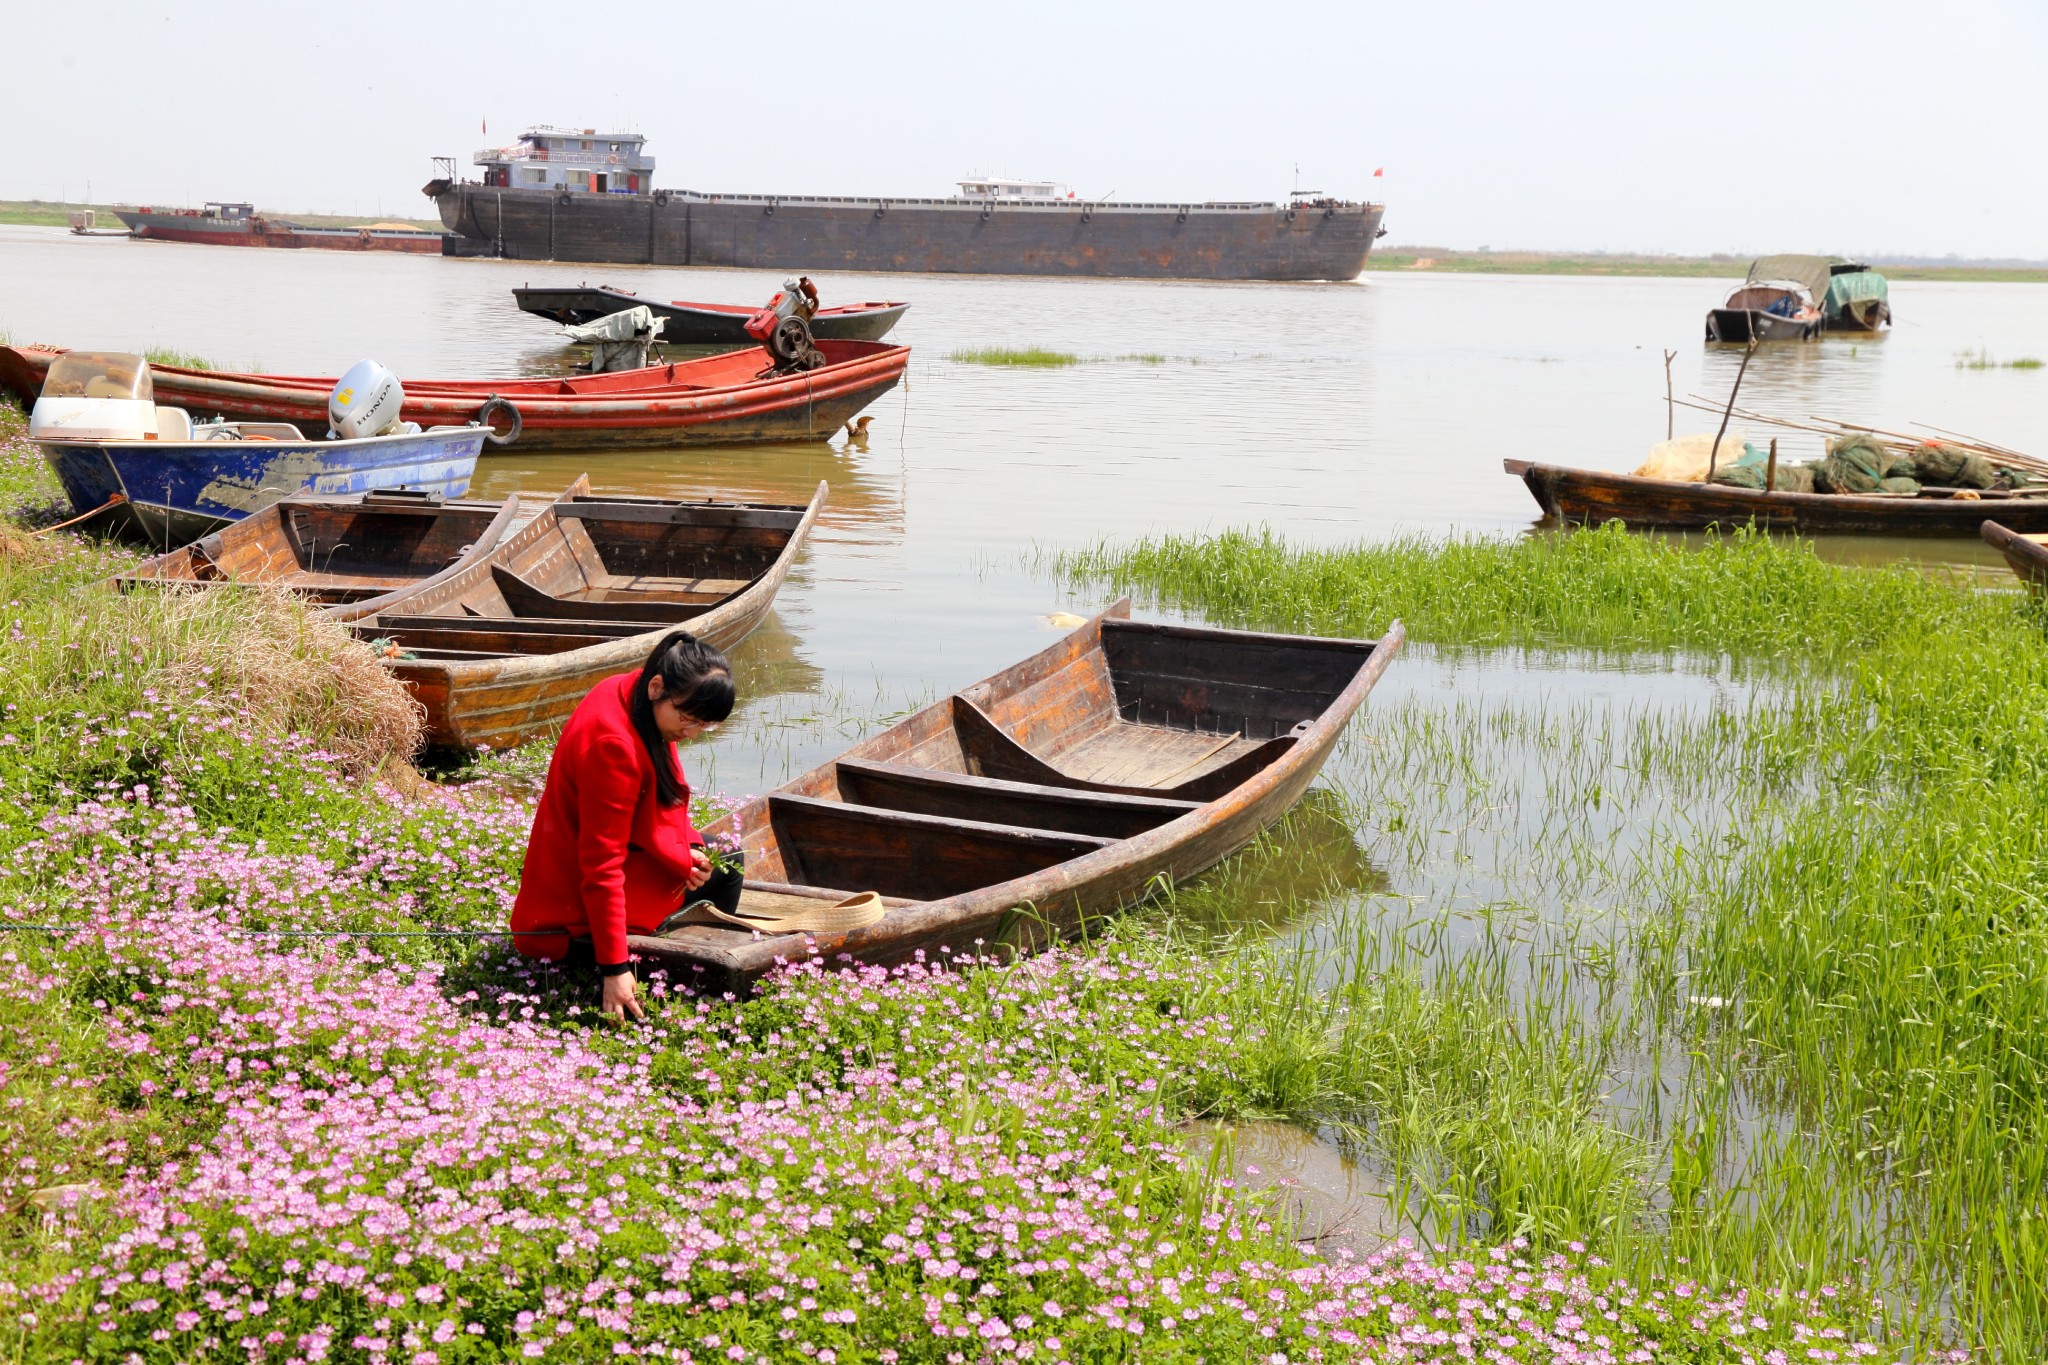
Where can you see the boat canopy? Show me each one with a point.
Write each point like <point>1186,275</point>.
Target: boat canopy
<point>1862,286</point>
<point>1808,272</point>
<point>99,374</point>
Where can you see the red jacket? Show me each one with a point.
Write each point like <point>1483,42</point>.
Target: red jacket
<point>605,857</point>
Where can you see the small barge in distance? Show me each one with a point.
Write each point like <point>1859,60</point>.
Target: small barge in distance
<point>562,194</point>
<point>223,223</point>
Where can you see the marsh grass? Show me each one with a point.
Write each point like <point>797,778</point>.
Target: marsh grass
<point>1981,359</point>
<point>1027,357</point>
<point>1035,357</point>
<point>1800,930</point>
<point>172,356</point>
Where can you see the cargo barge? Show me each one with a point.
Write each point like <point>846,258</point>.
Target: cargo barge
<point>586,196</point>
<point>225,223</point>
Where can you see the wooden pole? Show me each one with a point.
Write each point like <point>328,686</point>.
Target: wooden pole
<point>1715,454</point>
<point>1670,410</point>
<point>1771,468</point>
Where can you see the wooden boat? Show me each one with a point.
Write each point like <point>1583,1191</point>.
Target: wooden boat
<point>354,555</point>
<point>1780,300</point>
<point>702,323</point>
<point>2027,554</point>
<point>718,398</point>
<point>1591,497</point>
<point>503,650</point>
<point>1062,788</point>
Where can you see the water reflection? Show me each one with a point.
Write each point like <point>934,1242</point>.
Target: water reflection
<point>865,506</point>
<point>1305,865</point>
<point>1319,1186</point>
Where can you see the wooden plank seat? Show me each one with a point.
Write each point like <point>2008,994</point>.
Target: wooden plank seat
<point>671,607</point>
<point>1180,764</point>
<point>1030,805</point>
<point>903,854</point>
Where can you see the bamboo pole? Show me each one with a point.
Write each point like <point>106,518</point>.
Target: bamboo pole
<point>1771,469</point>
<point>1714,454</point>
<point>1670,415</point>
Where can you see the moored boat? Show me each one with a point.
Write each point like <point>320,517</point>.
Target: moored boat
<point>1591,497</point>
<point>1062,788</point>
<point>716,399</point>
<point>701,323</point>
<point>1779,300</point>
<point>238,224</point>
<point>1858,300</point>
<point>354,555</point>
<point>2027,555</point>
<point>500,652</point>
<point>135,466</point>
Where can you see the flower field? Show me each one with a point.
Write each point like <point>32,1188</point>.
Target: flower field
<point>228,1134</point>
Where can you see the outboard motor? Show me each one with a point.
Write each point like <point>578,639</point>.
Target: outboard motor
<point>784,328</point>
<point>366,402</point>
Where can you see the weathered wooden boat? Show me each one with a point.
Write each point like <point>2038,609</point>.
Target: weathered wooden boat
<point>1061,789</point>
<point>2027,554</point>
<point>133,465</point>
<point>1779,300</point>
<point>715,399</point>
<point>701,323</point>
<point>502,651</point>
<point>354,555</point>
<point>1591,497</point>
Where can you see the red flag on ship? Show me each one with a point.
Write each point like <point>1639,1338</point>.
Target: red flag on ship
<point>487,131</point>
<point>1379,172</point>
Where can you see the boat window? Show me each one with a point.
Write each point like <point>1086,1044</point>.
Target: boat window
<point>99,374</point>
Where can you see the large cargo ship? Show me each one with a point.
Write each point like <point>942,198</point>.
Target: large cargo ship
<point>581,195</point>
<point>223,223</point>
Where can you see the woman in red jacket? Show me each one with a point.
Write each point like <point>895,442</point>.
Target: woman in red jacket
<point>612,850</point>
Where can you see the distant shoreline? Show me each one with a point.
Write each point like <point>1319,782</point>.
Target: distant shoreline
<point>44,213</point>
<point>1398,259</point>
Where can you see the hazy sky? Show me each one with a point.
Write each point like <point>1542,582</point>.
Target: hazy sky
<point>1877,126</point>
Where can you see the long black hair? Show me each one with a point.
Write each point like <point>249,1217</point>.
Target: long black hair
<point>698,679</point>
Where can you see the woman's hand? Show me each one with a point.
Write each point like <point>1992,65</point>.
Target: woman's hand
<point>621,997</point>
<point>700,867</point>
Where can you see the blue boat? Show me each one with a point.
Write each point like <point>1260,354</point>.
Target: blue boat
<point>148,471</point>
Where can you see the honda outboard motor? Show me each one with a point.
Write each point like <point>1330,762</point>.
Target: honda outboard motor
<point>366,402</point>
<point>784,328</point>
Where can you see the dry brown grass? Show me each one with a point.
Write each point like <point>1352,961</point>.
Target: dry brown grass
<point>294,671</point>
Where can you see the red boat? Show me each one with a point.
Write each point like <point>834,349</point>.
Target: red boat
<point>720,399</point>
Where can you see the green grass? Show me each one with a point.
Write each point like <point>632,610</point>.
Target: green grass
<point>1981,359</point>
<point>170,355</point>
<point>1030,357</point>
<point>1849,854</point>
